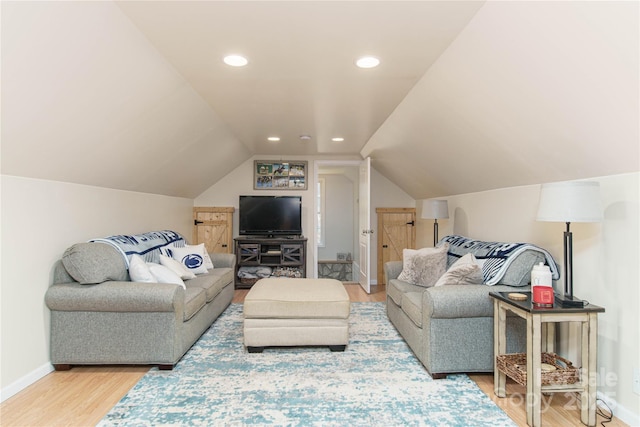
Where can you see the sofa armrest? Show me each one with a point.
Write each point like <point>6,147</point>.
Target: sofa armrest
<point>114,296</point>
<point>392,270</point>
<point>456,301</point>
<point>223,260</point>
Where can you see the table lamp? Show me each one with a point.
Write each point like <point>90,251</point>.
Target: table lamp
<point>575,201</point>
<point>435,209</point>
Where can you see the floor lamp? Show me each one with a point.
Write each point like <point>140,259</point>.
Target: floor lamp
<point>576,201</point>
<point>435,209</point>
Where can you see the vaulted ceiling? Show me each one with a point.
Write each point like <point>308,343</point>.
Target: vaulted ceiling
<point>469,96</point>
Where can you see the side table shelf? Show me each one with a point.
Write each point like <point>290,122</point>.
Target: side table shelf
<point>541,338</point>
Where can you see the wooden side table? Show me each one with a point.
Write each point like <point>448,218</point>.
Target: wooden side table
<point>541,339</point>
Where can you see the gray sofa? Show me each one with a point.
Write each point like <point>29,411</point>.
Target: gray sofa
<point>450,328</point>
<point>118,321</point>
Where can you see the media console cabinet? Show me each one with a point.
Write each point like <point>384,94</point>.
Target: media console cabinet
<point>285,256</point>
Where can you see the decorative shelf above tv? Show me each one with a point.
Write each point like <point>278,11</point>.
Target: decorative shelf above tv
<point>262,257</point>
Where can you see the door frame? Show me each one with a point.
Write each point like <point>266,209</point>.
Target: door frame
<point>316,167</point>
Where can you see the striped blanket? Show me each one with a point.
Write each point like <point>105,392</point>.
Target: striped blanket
<point>147,245</point>
<point>495,257</point>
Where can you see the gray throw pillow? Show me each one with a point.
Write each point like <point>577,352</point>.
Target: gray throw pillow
<point>465,271</point>
<point>423,267</point>
<point>91,263</point>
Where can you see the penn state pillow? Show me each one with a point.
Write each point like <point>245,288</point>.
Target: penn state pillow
<point>168,251</point>
<point>192,257</point>
<point>208,264</point>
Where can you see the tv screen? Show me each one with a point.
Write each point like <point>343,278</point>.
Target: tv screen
<point>270,215</point>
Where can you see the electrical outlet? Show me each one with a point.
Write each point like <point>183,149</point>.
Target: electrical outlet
<point>636,381</point>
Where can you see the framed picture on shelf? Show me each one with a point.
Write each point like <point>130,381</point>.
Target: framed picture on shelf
<point>279,175</point>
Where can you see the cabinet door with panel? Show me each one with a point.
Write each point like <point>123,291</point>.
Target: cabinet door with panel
<point>213,226</point>
<point>396,231</point>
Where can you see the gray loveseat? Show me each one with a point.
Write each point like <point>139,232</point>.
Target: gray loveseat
<point>450,328</point>
<point>118,321</point>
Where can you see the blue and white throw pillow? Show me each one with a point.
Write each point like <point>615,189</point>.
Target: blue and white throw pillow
<point>192,257</point>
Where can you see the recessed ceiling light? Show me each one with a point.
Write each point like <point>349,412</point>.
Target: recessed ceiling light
<point>274,138</point>
<point>368,62</point>
<point>235,60</point>
<point>337,139</point>
<point>305,137</point>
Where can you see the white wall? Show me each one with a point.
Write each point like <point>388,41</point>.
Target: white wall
<point>384,194</point>
<point>240,182</point>
<point>40,219</point>
<point>606,264</point>
<point>225,192</point>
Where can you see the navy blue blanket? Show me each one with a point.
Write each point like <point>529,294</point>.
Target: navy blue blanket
<point>495,257</point>
<point>147,245</point>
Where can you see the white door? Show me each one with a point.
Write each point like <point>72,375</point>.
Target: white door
<point>365,225</point>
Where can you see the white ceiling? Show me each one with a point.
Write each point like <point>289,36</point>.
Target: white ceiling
<point>469,96</point>
<point>301,77</point>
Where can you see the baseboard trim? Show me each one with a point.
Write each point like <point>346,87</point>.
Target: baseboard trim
<point>619,411</point>
<point>24,382</point>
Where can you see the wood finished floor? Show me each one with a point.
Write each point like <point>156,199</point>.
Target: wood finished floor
<point>84,395</point>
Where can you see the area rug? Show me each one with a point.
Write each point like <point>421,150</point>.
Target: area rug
<point>377,381</point>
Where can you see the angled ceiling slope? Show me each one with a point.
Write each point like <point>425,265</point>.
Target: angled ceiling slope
<point>87,99</point>
<point>529,92</point>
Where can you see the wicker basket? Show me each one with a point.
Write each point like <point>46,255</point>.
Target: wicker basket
<point>515,367</point>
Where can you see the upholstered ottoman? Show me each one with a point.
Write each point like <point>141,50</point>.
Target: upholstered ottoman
<point>296,312</point>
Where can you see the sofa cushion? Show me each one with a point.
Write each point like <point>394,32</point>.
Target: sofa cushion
<point>465,271</point>
<point>194,299</point>
<point>213,282</point>
<point>424,266</point>
<point>396,288</point>
<point>91,263</point>
<point>412,307</point>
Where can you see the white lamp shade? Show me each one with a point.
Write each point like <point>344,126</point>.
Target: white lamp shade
<point>574,201</point>
<point>435,209</point>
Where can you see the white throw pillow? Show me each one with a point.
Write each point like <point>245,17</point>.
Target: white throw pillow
<point>139,270</point>
<point>192,257</point>
<point>424,266</point>
<point>176,267</point>
<point>165,275</point>
<point>465,271</point>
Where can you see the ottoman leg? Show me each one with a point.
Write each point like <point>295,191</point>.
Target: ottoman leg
<point>337,347</point>
<point>255,349</point>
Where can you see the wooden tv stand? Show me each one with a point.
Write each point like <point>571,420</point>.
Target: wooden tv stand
<point>284,255</point>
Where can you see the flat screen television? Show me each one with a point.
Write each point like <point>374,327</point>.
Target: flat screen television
<point>270,215</point>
